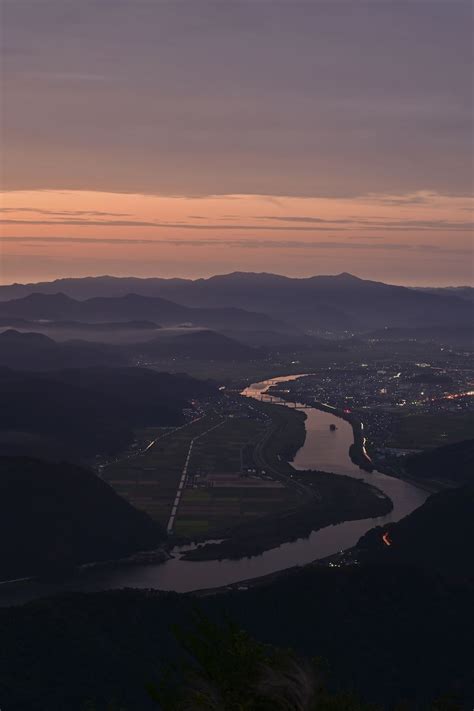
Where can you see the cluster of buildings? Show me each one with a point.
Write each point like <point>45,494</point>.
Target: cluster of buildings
<point>382,395</point>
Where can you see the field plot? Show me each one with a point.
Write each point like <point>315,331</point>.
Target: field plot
<point>220,484</point>
<point>222,507</point>
<point>149,480</point>
<point>222,489</point>
<point>432,430</point>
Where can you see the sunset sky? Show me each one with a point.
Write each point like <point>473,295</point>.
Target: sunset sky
<point>187,138</point>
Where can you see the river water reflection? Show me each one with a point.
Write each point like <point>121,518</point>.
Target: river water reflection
<point>323,449</point>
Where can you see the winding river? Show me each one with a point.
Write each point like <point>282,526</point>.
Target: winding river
<point>323,449</point>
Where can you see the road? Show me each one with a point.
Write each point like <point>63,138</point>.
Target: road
<point>184,474</point>
<point>140,452</point>
<point>287,479</point>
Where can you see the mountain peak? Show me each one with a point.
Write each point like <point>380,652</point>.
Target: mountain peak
<point>347,275</point>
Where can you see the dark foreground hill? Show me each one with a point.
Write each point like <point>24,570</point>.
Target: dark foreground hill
<point>55,515</point>
<point>81,412</point>
<point>392,635</point>
<point>393,632</point>
<point>335,303</point>
<point>438,536</point>
<point>451,463</point>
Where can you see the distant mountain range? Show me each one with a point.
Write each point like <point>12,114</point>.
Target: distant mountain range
<point>36,351</point>
<point>133,307</point>
<point>463,292</point>
<point>245,300</point>
<point>12,322</point>
<point>113,333</point>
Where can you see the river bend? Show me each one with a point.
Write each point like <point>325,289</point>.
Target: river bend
<point>323,450</point>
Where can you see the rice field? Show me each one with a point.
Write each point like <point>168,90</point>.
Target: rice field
<point>221,487</point>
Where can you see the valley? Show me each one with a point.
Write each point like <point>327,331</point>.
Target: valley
<point>236,355</point>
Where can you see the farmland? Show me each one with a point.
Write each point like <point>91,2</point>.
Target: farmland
<point>425,430</point>
<point>223,481</point>
<point>150,479</point>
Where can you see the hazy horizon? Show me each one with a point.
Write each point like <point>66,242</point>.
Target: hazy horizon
<point>229,273</point>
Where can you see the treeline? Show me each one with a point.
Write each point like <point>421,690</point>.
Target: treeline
<point>81,412</point>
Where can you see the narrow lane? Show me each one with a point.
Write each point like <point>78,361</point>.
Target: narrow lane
<point>182,481</point>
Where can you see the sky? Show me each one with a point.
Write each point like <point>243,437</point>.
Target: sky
<point>189,137</point>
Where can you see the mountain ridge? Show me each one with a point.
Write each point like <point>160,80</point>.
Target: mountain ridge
<point>130,306</point>
<point>341,302</point>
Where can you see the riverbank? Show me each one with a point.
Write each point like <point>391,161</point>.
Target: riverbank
<point>154,556</point>
<point>285,437</point>
<point>335,499</point>
<point>357,451</point>
<point>431,487</point>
